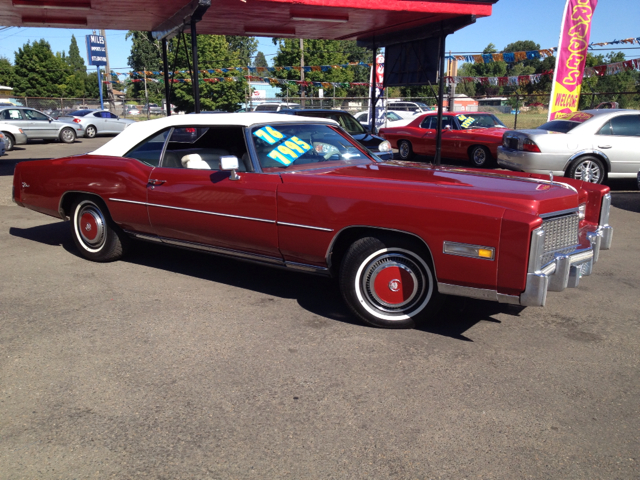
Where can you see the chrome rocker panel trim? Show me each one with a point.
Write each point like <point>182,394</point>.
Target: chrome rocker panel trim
<point>236,254</point>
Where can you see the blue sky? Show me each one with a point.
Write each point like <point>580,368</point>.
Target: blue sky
<point>512,20</point>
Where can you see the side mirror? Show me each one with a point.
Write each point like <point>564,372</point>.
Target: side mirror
<point>230,163</point>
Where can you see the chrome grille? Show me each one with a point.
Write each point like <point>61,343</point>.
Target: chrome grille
<point>560,235</point>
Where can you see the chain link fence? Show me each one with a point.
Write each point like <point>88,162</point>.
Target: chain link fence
<point>128,108</point>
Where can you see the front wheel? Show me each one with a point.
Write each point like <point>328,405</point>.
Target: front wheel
<point>480,156</point>
<point>387,283</point>
<point>8,142</point>
<point>67,135</point>
<point>587,169</point>
<point>94,233</point>
<point>90,131</point>
<point>405,150</point>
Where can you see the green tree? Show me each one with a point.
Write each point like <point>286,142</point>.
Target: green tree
<point>244,47</point>
<point>40,73</point>
<point>260,60</point>
<point>77,70</point>
<point>316,54</point>
<point>6,72</point>
<point>146,55</point>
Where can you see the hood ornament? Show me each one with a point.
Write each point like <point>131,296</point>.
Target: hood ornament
<point>551,178</point>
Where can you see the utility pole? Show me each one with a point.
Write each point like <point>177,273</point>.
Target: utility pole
<point>302,72</point>
<point>146,94</point>
<point>110,96</point>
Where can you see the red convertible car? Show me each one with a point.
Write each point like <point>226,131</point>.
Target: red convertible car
<point>300,193</point>
<point>472,135</point>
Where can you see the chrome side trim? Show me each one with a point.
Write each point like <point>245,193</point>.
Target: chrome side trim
<point>305,226</point>
<point>471,292</point>
<point>194,211</point>
<point>222,251</point>
<point>303,267</point>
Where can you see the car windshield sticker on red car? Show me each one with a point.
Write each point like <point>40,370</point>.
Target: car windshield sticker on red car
<point>288,150</point>
<point>465,122</point>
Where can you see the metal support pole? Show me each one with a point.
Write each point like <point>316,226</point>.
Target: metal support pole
<point>438,157</point>
<point>372,90</point>
<point>196,74</point>
<point>515,120</point>
<point>100,88</point>
<point>167,85</point>
<point>302,87</point>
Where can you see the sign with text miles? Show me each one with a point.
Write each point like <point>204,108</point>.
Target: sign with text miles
<point>571,57</point>
<point>96,50</point>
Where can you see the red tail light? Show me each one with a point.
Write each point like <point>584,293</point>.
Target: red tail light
<point>529,146</point>
<point>190,130</point>
<point>76,120</point>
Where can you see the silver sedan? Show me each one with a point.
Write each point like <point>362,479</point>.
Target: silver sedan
<point>590,145</point>
<point>97,122</point>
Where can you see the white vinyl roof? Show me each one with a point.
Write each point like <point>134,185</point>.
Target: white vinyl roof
<point>137,132</point>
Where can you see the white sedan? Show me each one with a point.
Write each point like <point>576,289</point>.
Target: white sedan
<point>590,145</point>
<point>394,119</point>
<point>97,122</point>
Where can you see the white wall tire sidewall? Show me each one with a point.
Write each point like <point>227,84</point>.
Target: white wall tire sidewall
<point>79,235</point>
<point>377,313</point>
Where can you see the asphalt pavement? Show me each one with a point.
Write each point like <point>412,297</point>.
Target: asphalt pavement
<point>178,365</point>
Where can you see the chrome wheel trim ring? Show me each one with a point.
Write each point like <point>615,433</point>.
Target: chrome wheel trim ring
<point>588,171</point>
<point>87,215</point>
<point>407,311</point>
<point>479,156</point>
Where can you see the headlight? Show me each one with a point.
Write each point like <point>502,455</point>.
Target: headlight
<point>582,211</point>
<point>384,146</point>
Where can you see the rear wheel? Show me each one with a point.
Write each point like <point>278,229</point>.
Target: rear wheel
<point>480,156</point>
<point>94,233</point>
<point>90,131</point>
<point>387,283</point>
<point>67,135</point>
<point>587,169</point>
<point>9,142</point>
<point>405,150</point>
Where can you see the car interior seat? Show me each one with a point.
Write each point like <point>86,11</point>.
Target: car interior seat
<point>194,160</point>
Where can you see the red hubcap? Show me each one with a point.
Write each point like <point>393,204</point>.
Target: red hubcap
<point>394,285</point>
<point>88,226</point>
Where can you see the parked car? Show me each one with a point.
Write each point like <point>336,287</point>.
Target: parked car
<point>38,126</point>
<point>2,146</point>
<point>132,110</point>
<point>300,193</point>
<point>153,109</point>
<point>376,144</point>
<point>474,136</point>
<point>590,145</point>
<point>414,107</point>
<point>394,119</point>
<point>55,114</point>
<point>275,106</point>
<point>12,136</point>
<point>97,122</point>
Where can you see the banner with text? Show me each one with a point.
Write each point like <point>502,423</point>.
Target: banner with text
<point>571,57</point>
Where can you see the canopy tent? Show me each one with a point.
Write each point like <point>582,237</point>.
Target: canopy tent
<point>373,23</point>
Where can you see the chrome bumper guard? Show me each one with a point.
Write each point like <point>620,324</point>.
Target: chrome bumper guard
<point>565,270</point>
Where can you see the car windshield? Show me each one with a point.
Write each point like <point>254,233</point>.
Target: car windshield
<point>79,113</point>
<point>486,120</point>
<point>562,126</point>
<point>294,147</point>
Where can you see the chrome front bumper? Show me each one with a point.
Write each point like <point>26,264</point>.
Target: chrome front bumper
<point>566,268</point>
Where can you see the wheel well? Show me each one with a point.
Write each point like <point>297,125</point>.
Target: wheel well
<point>605,161</point>
<point>349,235</point>
<point>68,198</point>
<point>8,134</point>
<point>471,147</point>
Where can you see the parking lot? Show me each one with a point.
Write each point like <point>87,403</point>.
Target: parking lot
<point>173,364</point>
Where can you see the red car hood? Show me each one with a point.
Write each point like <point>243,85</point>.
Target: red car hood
<point>525,194</point>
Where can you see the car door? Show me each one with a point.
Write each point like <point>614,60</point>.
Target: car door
<point>97,120</point>
<point>619,139</point>
<point>194,203</point>
<point>40,126</point>
<point>113,123</point>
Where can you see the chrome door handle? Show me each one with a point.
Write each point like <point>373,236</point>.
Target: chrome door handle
<point>155,182</point>
<point>604,146</point>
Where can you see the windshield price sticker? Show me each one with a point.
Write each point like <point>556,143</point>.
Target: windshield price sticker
<point>465,122</point>
<point>287,152</point>
<point>269,135</point>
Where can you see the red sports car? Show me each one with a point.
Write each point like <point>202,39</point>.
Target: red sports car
<point>300,193</point>
<point>471,135</point>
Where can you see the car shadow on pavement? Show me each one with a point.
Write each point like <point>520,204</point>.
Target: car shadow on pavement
<point>318,295</point>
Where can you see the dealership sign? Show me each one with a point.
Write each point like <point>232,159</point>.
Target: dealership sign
<point>96,50</point>
<point>571,57</point>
